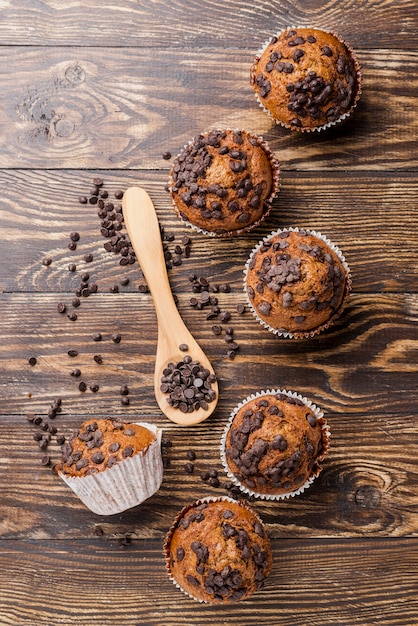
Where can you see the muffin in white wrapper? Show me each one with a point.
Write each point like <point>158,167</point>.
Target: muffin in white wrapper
<point>121,468</point>
<point>296,282</point>
<point>274,443</point>
<point>306,79</point>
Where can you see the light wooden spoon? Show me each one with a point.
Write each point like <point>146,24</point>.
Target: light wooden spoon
<point>143,229</point>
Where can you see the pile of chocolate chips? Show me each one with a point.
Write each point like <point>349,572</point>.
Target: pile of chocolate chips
<point>206,300</point>
<point>45,430</point>
<point>188,385</point>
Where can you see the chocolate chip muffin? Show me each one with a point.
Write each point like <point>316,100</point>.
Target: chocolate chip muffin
<point>274,443</point>
<point>306,79</point>
<point>296,282</point>
<point>223,182</point>
<point>218,551</point>
<point>112,465</point>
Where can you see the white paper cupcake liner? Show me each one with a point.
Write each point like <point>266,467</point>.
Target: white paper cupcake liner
<point>325,434</point>
<point>167,541</point>
<point>342,117</point>
<point>275,167</point>
<point>124,485</point>
<point>304,334</point>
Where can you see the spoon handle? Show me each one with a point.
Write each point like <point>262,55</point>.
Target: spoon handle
<point>144,231</point>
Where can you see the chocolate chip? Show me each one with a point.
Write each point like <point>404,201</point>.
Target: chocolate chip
<point>166,155</point>
<point>72,353</point>
<point>98,358</point>
<point>61,308</point>
<point>32,361</point>
<point>311,419</point>
<point>97,458</point>
<point>97,337</point>
<point>327,51</point>
<point>82,386</point>
<point>116,337</point>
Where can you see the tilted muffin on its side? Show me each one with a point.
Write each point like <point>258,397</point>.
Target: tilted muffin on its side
<point>223,182</point>
<point>218,551</point>
<point>296,282</point>
<point>306,79</point>
<point>111,465</point>
<point>274,444</point>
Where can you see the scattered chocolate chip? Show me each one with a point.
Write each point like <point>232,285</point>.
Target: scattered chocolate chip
<point>98,358</point>
<point>116,337</point>
<point>94,387</point>
<point>82,386</point>
<point>97,337</point>
<point>32,361</point>
<point>166,155</point>
<point>61,308</point>
<point>72,353</point>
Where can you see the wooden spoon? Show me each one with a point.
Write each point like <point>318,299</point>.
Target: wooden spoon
<point>143,229</point>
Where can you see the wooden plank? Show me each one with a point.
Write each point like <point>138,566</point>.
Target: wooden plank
<point>366,487</point>
<point>197,24</point>
<point>365,363</point>
<point>366,214</point>
<point>123,107</point>
<point>323,583</point>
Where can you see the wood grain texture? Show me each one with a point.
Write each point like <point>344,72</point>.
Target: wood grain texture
<point>123,107</point>
<point>362,583</point>
<point>366,487</point>
<point>366,214</point>
<point>359,364</point>
<point>210,23</point>
<point>104,89</point>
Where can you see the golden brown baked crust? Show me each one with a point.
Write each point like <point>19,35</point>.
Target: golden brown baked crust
<point>306,78</point>
<point>275,444</point>
<point>99,444</point>
<point>296,282</point>
<point>218,551</point>
<point>222,181</point>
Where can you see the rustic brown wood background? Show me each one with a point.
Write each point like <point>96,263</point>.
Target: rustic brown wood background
<point>103,89</point>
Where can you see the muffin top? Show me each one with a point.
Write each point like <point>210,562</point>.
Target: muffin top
<point>218,551</point>
<point>99,444</point>
<point>274,444</point>
<point>296,282</point>
<point>306,78</point>
<point>222,180</point>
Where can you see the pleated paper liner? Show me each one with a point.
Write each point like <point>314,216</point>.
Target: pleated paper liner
<point>282,332</point>
<point>124,485</point>
<point>275,169</point>
<point>343,116</point>
<point>179,517</point>
<point>326,435</point>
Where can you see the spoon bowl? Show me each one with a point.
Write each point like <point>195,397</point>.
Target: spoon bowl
<point>141,223</point>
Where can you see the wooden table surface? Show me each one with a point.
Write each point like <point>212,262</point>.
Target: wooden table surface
<point>102,89</point>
